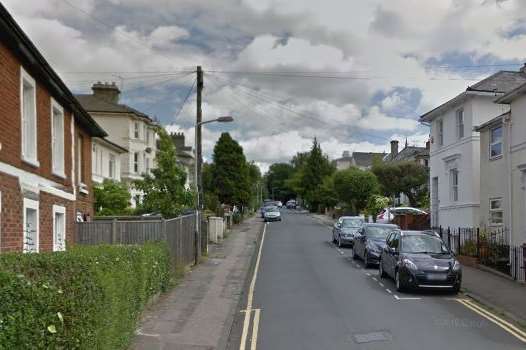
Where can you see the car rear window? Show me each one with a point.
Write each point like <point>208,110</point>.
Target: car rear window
<point>355,222</point>
<point>378,232</point>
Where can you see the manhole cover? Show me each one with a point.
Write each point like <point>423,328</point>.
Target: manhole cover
<point>372,337</point>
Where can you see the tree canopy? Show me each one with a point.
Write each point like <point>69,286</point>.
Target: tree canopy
<point>164,189</point>
<point>407,177</point>
<point>354,187</point>
<point>276,180</point>
<point>112,198</point>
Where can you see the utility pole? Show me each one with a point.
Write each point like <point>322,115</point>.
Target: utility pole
<point>198,159</point>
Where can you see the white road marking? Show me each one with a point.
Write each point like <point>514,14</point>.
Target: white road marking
<point>255,329</point>
<point>250,298</point>
<point>388,291</point>
<point>381,284</point>
<point>405,298</point>
<point>374,279</point>
<point>368,274</point>
<point>510,328</point>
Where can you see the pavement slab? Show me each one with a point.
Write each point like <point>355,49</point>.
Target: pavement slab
<point>197,314</point>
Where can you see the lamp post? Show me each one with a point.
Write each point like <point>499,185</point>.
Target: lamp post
<point>197,177</point>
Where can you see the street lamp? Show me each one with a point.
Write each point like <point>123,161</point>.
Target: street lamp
<point>223,119</point>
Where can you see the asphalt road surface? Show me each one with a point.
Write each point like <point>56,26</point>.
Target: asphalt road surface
<point>308,294</point>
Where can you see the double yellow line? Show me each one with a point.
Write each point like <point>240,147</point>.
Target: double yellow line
<point>507,326</point>
<point>250,299</point>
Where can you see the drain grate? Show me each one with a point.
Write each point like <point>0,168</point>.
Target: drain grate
<point>372,337</point>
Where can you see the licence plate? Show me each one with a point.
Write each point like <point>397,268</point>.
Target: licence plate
<point>437,276</point>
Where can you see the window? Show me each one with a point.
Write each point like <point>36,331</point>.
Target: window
<point>57,138</point>
<point>495,142</point>
<point>460,123</point>
<point>80,159</point>
<point>29,118</point>
<point>440,132</point>
<point>30,232</point>
<point>111,167</point>
<point>496,213</point>
<point>136,130</point>
<point>136,162</point>
<point>453,181</point>
<point>59,228</point>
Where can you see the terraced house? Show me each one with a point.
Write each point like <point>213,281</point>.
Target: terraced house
<point>45,142</point>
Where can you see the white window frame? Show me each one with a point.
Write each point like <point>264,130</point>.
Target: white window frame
<point>112,160</point>
<point>493,143</point>
<point>136,159</point>
<point>58,209</point>
<point>136,130</point>
<point>440,132</point>
<point>57,141</point>
<point>459,116</point>
<point>31,204</point>
<point>28,156</point>
<point>491,211</point>
<point>453,187</point>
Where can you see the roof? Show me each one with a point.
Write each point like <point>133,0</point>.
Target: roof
<point>93,103</point>
<point>19,43</point>
<point>365,159</point>
<point>110,144</point>
<point>493,122</point>
<point>408,153</point>
<point>499,83</point>
<point>512,95</point>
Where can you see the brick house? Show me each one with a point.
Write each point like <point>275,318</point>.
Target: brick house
<point>45,149</point>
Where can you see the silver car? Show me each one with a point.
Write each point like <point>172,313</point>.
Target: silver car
<point>345,229</point>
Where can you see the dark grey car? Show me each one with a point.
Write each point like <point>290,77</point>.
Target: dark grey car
<point>345,229</point>
<point>370,241</point>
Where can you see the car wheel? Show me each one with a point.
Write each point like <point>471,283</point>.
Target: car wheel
<point>354,255</point>
<point>381,272</point>
<point>399,284</point>
<point>333,238</point>
<point>456,289</point>
<point>365,259</point>
<point>339,242</point>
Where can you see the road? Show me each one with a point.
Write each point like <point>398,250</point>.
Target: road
<point>308,294</point>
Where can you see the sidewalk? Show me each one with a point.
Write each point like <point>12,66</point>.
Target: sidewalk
<point>198,313</point>
<point>500,293</point>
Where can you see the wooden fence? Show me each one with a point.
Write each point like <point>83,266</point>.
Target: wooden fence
<point>179,233</point>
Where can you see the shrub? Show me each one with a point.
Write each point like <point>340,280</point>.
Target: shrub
<point>89,297</point>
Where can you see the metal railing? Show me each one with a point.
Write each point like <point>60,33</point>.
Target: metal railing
<point>491,247</point>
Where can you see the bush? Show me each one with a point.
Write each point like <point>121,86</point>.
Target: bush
<point>84,298</point>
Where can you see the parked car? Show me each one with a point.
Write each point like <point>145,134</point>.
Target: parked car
<point>263,209</point>
<point>279,204</point>
<point>370,240</point>
<point>272,214</point>
<point>345,228</point>
<point>291,204</point>
<point>420,259</point>
<point>387,215</point>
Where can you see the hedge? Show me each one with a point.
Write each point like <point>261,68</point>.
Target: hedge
<point>89,297</point>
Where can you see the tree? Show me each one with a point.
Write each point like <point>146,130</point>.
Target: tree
<point>164,189</point>
<point>112,198</point>
<point>354,187</point>
<point>316,167</point>
<point>276,181</point>
<point>327,195</point>
<point>376,204</point>
<point>231,177</point>
<point>406,177</point>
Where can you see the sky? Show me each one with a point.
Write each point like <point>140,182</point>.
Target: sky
<point>354,74</point>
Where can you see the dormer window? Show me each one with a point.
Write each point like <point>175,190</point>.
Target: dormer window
<point>495,143</point>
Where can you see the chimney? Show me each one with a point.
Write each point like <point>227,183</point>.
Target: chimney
<point>523,68</point>
<point>106,91</point>
<point>178,140</point>
<point>394,147</point>
<point>346,154</point>
<point>428,143</point>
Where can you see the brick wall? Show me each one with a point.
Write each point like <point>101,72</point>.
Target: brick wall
<point>11,220</point>
<point>10,123</point>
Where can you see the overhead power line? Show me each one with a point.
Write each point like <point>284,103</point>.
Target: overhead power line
<point>185,99</point>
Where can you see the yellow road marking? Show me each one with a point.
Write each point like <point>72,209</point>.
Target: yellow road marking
<point>255,329</point>
<point>516,332</point>
<point>250,298</point>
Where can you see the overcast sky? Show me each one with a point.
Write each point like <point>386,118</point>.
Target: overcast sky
<point>363,71</point>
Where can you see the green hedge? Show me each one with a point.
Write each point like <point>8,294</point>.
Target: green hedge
<point>85,298</point>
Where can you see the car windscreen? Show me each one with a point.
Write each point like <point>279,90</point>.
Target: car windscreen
<point>271,209</point>
<point>378,232</point>
<point>423,244</point>
<point>354,222</point>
